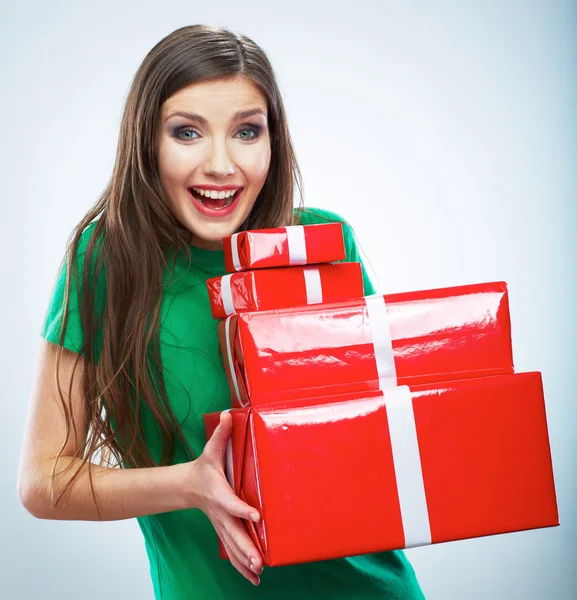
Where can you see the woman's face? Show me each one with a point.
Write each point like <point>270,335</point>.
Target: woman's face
<point>213,136</point>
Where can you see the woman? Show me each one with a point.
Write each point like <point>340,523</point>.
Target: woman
<point>204,151</point>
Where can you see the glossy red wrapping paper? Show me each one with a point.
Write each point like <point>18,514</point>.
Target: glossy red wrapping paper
<point>266,248</point>
<point>436,335</point>
<point>284,287</point>
<point>322,473</point>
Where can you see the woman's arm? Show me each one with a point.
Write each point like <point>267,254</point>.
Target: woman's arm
<point>122,493</point>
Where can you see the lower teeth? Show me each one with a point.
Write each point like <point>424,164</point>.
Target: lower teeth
<point>227,203</point>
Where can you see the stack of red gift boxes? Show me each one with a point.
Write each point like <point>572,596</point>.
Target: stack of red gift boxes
<point>366,424</point>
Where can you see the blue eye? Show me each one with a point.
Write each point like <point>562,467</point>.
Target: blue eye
<point>184,130</point>
<point>255,129</point>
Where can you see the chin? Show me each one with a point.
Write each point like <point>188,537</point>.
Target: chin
<point>212,234</point>
<point>210,230</point>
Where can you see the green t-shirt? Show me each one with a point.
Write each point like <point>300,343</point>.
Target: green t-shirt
<point>182,545</point>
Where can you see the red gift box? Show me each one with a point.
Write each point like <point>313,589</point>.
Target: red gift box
<point>367,343</point>
<point>267,289</point>
<point>284,246</point>
<point>341,476</point>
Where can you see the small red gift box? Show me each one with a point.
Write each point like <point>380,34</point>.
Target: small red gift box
<point>367,343</point>
<point>341,476</point>
<point>267,289</point>
<point>284,246</point>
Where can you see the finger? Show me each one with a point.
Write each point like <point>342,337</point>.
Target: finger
<point>238,560</point>
<point>236,507</point>
<point>254,579</point>
<point>218,440</point>
<point>233,549</point>
<point>238,537</point>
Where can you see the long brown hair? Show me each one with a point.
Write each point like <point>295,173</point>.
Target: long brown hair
<point>135,234</point>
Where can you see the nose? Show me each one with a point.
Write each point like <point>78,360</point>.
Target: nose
<point>219,162</point>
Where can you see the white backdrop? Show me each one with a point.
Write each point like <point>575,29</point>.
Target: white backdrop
<point>444,131</point>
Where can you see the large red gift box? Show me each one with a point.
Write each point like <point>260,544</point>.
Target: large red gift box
<point>283,287</point>
<point>341,476</point>
<point>367,343</point>
<point>284,246</point>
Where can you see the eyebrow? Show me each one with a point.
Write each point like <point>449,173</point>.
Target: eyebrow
<point>241,114</point>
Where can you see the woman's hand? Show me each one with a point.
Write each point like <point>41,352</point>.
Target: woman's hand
<point>212,493</point>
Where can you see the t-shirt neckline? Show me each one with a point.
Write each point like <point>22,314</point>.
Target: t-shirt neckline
<point>209,258</point>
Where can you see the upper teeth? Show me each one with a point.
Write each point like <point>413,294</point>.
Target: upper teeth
<point>214,194</point>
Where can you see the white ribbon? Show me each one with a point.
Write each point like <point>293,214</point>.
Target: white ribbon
<point>228,465</point>
<point>226,293</point>
<point>313,285</point>
<point>407,462</point>
<point>234,250</point>
<point>382,342</point>
<point>296,244</point>
<point>230,361</point>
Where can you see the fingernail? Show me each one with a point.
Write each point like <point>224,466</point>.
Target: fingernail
<point>254,517</point>
<point>257,581</point>
<point>254,568</point>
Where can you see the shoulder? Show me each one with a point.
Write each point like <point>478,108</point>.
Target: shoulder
<point>88,252</point>
<point>314,216</point>
<point>86,236</point>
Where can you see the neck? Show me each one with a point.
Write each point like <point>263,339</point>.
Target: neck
<point>207,244</point>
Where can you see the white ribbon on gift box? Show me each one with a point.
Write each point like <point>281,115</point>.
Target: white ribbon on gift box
<point>226,294</point>
<point>381,338</point>
<point>228,464</point>
<point>313,286</point>
<point>230,361</point>
<point>296,245</point>
<point>234,250</point>
<point>407,463</point>
<point>382,342</point>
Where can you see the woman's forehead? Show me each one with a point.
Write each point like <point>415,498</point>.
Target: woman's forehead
<point>218,97</point>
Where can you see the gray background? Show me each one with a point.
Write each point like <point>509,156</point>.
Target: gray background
<point>444,131</point>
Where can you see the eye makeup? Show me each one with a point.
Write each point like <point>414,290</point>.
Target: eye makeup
<point>178,131</point>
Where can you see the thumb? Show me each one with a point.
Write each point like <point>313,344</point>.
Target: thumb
<point>221,435</point>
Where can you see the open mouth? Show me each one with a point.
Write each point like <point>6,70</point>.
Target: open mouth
<point>214,203</point>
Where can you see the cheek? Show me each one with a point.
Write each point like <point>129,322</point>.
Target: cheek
<point>259,165</point>
<point>173,165</point>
